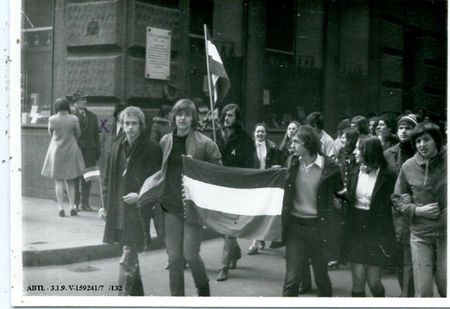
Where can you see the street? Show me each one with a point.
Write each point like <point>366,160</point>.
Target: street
<point>257,275</point>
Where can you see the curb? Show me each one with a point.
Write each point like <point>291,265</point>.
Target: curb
<point>63,256</point>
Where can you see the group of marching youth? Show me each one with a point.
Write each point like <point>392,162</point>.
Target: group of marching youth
<point>74,146</point>
<point>338,201</point>
<point>390,210</point>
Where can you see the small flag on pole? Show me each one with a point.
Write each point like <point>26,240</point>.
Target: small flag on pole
<point>91,173</point>
<point>219,77</point>
<point>239,202</point>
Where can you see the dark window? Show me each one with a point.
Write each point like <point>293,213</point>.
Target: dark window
<point>201,13</point>
<point>280,24</point>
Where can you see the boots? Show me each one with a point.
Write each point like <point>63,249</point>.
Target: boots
<point>223,274</point>
<point>358,294</point>
<point>203,291</point>
<point>380,293</point>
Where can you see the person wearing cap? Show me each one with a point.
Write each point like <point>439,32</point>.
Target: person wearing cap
<point>89,143</point>
<point>395,157</point>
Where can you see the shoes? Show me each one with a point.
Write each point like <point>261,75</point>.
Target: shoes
<point>204,291</point>
<point>276,245</point>
<point>223,274</point>
<point>86,207</point>
<point>61,213</point>
<point>252,250</point>
<point>304,290</point>
<point>261,244</point>
<point>73,212</point>
<point>233,264</point>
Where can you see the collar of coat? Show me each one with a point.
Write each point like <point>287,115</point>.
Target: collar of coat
<point>383,176</point>
<point>328,168</point>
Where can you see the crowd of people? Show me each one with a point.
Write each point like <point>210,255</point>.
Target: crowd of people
<point>374,198</point>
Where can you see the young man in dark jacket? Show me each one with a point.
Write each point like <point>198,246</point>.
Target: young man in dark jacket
<point>395,157</point>
<point>132,159</point>
<point>311,223</point>
<point>238,150</point>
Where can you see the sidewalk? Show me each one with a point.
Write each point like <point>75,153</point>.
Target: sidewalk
<point>48,239</point>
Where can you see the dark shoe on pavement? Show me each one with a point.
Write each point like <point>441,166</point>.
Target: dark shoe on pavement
<point>61,213</point>
<point>252,250</point>
<point>73,212</point>
<point>223,274</point>
<point>204,291</point>
<point>276,245</point>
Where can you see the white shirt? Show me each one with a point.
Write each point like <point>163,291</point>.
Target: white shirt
<point>261,152</point>
<point>327,142</point>
<point>364,188</point>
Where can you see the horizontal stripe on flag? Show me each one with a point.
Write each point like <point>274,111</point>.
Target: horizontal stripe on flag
<point>91,173</point>
<point>233,177</point>
<point>235,201</point>
<point>248,227</point>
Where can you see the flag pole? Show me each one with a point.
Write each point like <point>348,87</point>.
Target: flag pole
<point>211,103</point>
<point>101,191</point>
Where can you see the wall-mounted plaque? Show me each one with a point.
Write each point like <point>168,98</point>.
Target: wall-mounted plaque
<point>157,54</point>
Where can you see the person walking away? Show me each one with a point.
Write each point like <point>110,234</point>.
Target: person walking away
<point>238,150</point>
<point>311,223</point>
<point>183,238</point>
<point>267,157</point>
<point>421,194</point>
<point>89,143</point>
<point>132,159</point>
<point>63,160</point>
<point>369,232</point>
<point>395,157</point>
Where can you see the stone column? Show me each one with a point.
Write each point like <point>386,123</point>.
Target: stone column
<point>254,61</point>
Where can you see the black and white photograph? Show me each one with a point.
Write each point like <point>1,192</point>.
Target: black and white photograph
<point>234,152</point>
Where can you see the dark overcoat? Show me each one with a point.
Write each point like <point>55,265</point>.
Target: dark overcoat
<point>89,140</point>
<point>144,161</point>
<point>378,229</point>
<point>330,217</point>
<point>238,151</point>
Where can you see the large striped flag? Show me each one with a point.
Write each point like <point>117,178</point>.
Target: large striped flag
<point>219,77</point>
<point>239,202</point>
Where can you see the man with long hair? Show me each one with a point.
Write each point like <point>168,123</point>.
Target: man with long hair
<point>238,150</point>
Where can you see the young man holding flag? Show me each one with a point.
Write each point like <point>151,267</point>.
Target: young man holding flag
<point>183,238</point>
<point>238,150</point>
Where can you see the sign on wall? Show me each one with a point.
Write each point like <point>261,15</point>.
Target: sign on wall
<point>157,54</point>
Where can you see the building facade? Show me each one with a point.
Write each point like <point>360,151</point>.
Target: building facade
<point>285,59</point>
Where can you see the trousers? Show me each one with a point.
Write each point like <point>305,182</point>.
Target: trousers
<point>429,258</point>
<point>183,242</point>
<point>130,281</point>
<point>302,243</point>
